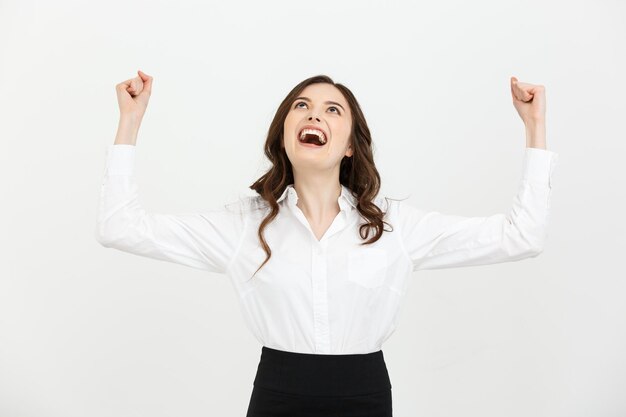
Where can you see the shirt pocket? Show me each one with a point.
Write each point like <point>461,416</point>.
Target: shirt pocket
<point>367,267</point>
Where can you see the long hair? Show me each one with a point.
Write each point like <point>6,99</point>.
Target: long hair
<point>357,172</point>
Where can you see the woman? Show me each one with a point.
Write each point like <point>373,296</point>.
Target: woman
<point>319,289</point>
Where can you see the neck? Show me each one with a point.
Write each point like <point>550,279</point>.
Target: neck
<point>317,197</point>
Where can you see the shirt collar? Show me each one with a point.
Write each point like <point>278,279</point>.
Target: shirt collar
<point>345,197</point>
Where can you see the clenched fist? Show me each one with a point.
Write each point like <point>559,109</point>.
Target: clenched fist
<point>133,96</point>
<point>529,100</point>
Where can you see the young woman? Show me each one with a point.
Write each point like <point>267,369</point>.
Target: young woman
<point>319,278</point>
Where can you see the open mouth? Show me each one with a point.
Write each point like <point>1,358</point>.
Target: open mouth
<point>312,136</point>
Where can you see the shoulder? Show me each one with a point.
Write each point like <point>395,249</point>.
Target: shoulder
<point>398,209</point>
<point>248,205</point>
<point>387,204</point>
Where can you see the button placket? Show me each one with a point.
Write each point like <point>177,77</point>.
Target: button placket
<point>320,297</point>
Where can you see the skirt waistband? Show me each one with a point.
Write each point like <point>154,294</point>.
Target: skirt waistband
<point>322,374</point>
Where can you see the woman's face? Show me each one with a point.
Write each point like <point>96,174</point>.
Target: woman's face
<point>321,105</point>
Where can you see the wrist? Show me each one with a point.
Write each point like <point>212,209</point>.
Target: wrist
<point>130,121</point>
<point>127,131</point>
<point>536,134</point>
<point>535,122</point>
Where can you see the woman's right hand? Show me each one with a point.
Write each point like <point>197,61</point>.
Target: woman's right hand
<point>133,96</point>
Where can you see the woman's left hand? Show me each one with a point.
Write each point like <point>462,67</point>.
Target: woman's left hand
<point>529,101</point>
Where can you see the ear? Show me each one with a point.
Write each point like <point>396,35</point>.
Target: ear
<point>349,152</point>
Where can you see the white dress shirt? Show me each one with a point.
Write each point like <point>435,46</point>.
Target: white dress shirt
<point>327,296</point>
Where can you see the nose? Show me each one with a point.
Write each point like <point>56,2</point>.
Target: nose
<point>316,118</point>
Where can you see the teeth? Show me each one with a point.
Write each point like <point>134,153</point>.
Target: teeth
<point>315,132</point>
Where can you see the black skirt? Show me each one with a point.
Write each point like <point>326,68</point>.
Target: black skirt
<point>307,385</point>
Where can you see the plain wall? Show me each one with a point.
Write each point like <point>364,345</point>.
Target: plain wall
<point>90,331</point>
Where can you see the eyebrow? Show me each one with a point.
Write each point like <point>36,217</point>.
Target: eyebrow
<point>327,102</point>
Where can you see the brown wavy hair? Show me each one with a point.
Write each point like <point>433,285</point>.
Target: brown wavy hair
<point>357,172</point>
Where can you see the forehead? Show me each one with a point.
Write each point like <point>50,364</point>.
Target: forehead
<point>322,92</point>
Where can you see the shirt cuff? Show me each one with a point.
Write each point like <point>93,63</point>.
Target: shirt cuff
<point>120,160</point>
<point>539,165</point>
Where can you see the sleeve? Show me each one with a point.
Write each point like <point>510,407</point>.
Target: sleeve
<point>206,240</point>
<point>434,240</point>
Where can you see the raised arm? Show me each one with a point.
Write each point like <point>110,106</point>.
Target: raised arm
<point>434,240</point>
<point>206,240</point>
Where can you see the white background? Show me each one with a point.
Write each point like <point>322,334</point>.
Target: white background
<point>89,331</point>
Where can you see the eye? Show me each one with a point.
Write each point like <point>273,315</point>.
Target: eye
<point>331,107</point>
